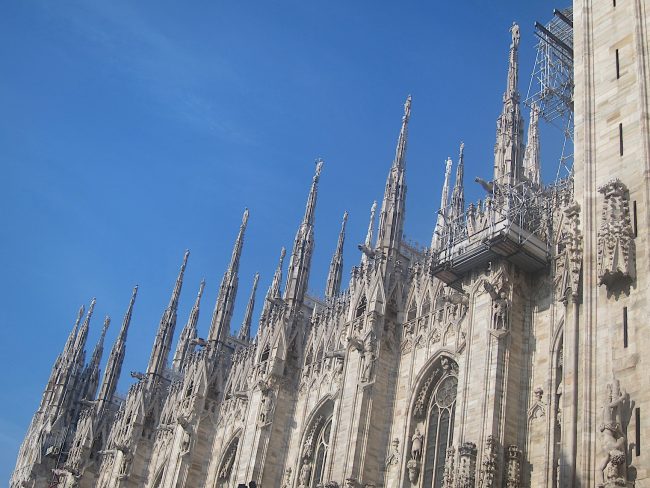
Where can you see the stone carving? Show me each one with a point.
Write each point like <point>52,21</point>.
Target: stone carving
<point>368,358</point>
<point>416,445</point>
<point>500,306</point>
<point>538,408</point>
<point>448,475</point>
<point>613,464</point>
<point>421,402</point>
<point>413,468</point>
<point>266,408</point>
<point>286,480</point>
<point>467,465</point>
<point>615,235</point>
<point>569,263</point>
<point>393,457</point>
<point>305,473</point>
<point>489,463</point>
<point>309,442</point>
<point>513,469</point>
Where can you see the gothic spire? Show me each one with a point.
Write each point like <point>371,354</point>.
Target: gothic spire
<point>80,342</point>
<point>531,156</point>
<point>391,217</point>
<point>508,150</point>
<point>116,357</point>
<point>62,364</point>
<point>335,274</point>
<point>163,341</point>
<point>458,195</point>
<point>188,334</point>
<point>69,344</point>
<point>303,247</point>
<point>91,373</point>
<point>223,308</point>
<point>273,292</point>
<point>245,330</point>
<point>441,221</point>
<point>371,224</point>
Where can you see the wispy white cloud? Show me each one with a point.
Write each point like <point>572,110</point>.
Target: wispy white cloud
<point>174,77</point>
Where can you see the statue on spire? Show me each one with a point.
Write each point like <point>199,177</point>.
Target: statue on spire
<point>514,30</point>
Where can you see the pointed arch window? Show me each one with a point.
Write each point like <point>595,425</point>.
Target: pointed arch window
<point>439,431</point>
<point>321,454</point>
<point>224,474</point>
<point>361,308</point>
<point>265,354</point>
<point>426,306</point>
<point>413,311</point>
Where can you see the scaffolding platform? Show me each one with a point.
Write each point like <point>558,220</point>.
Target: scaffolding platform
<point>503,240</point>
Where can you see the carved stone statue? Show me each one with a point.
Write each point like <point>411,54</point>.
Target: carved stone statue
<point>613,465</point>
<point>514,30</point>
<point>265,408</point>
<point>305,473</point>
<point>368,358</point>
<point>393,457</point>
<point>500,306</point>
<point>413,469</point>
<point>416,446</point>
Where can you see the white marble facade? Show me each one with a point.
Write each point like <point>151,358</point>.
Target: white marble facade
<point>508,354</point>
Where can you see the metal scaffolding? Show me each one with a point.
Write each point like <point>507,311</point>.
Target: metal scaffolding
<point>551,83</point>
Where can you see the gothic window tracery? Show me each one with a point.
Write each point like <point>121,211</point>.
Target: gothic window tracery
<point>431,431</point>
<point>224,474</point>
<point>321,453</point>
<point>439,432</point>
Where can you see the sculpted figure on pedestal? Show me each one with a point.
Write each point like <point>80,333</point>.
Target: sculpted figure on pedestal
<point>613,465</point>
<point>500,306</point>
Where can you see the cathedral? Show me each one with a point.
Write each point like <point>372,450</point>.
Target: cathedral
<point>506,354</point>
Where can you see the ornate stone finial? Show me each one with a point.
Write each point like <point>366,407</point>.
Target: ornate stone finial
<point>244,220</point>
<point>407,108</point>
<point>319,168</point>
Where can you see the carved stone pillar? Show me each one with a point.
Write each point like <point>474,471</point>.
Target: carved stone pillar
<point>466,465</point>
<point>513,472</point>
<point>448,476</point>
<point>489,464</point>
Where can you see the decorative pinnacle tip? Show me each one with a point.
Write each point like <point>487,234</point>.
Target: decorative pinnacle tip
<point>345,216</point>
<point>319,168</point>
<point>283,252</point>
<point>244,219</point>
<point>407,107</point>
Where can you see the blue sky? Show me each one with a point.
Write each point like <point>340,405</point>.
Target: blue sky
<point>131,131</point>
